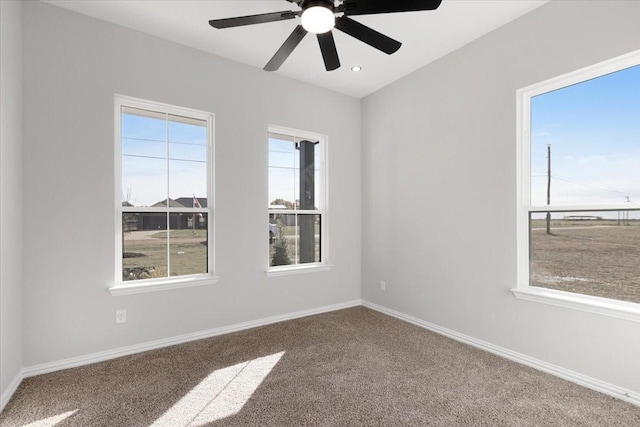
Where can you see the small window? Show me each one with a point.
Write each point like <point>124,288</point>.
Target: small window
<point>579,189</point>
<point>297,205</point>
<point>163,192</point>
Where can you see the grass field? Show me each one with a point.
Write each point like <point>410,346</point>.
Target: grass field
<point>598,258</point>
<point>146,254</point>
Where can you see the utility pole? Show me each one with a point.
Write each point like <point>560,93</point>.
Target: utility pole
<point>548,187</point>
<point>625,214</point>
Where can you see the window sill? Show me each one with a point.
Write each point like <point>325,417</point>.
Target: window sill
<point>287,271</point>
<point>161,285</point>
<point>618,309</point>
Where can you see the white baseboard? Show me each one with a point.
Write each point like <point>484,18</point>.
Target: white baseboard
<point>583,380</point>
<point>8,393</point>
<point>151,345</point>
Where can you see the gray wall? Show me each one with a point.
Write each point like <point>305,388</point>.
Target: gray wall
<point>73,65</point>
<point>439,190</point>
<point>10,192</point>
<point>438,149</point>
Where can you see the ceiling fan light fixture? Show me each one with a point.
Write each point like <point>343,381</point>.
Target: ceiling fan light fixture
<point>318,17</point>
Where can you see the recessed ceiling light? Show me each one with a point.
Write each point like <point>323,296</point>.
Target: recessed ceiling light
<point>356,68</point>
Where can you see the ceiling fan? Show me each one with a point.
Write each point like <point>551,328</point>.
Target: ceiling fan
<point>320,16</point>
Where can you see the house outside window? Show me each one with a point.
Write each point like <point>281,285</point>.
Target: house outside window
<point>579,189</point>
<point>297,201</point>
<point>164,194</point>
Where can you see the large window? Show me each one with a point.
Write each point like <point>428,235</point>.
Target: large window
<point>163,194</point>
<point>297,204</point>
<point>579,189</point>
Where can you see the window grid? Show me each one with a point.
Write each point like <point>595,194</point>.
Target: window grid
<point>125,105</point>
<point>526,210</point>
<point>293,212</point>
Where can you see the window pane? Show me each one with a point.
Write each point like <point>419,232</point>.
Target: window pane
<point>187,179</point>
<point>282,239</point>
<point>144,181</point>
<point>294,239</point>
<point>294,173</point>
<point>591,253</point>
<point>188,243</point>
<point>592,130</point>
<point>144,170</point>
<point>283,172</point>
<point>144,245</point>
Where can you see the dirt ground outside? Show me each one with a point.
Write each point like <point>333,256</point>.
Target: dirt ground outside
<point>600,259</point>
<point>146,253</point>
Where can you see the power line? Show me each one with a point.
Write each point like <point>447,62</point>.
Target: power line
<point>584,184</point>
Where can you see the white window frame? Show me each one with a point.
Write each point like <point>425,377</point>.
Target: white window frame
<point>322,201</point>
<point>609,307</point>
<point>121,287</point>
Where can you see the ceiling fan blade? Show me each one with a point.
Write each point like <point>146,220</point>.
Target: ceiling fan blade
<point>253,19</point>
<point>369,7</point>
<point>285,50</point>
<point>367,35</point>
<point>329,51</point>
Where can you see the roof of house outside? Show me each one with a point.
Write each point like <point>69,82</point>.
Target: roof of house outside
<point>188,201</point>
<point>181,202</point>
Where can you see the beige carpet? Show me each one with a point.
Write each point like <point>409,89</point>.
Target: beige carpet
<point>353,367</point>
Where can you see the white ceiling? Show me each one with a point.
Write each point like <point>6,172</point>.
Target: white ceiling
<point>425,36</point>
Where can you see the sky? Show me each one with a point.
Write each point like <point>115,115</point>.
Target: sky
<point>593,129</point>
<point>162,159</point>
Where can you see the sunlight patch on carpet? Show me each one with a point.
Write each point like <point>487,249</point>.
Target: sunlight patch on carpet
<point>221,394</point>
<point>51,421</point>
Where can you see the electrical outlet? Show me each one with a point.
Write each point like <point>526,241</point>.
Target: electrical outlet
<point>121,316</point>
<point>383,285</point>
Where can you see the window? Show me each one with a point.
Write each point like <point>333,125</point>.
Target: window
<point>297,204</point>
<point>579,189</point>
<point>163,203</point>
